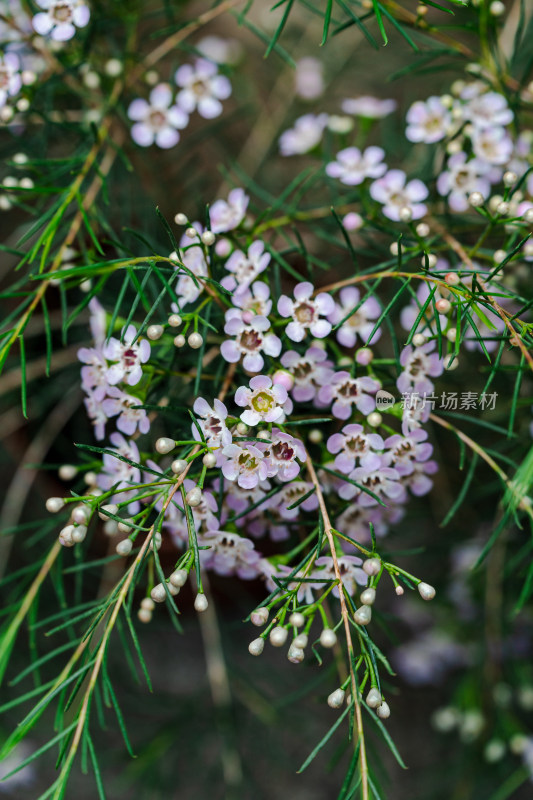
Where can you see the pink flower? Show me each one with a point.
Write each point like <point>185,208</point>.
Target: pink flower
<point>204,513</point>
<point>202,88</point>
<point>121,403</point>
<point>266,402</point>
<point>282,454</point>
<point>427,121</point>
<point>350,569</point>
<point>251,340</point>
<point>10,78</point>
<point>419,363</point>
<point>306,312</point>
<point>354,444</point>
<point>246,465</point>
<point>360,322</point>
<point>352,166</point>
<point>290,494</point>
<point>311,370</point>
<point>395,194</point>
<point>460,179</point>
<point>212,422</point>
<point>344,392</point>
<point>493,145</point>
<point>403,451</point>
<point>96,414</point>
<point>226,215</point>
<point>60,18</point>
<point>418,481</point>
<point>253,300</point>
<point>369,107</point>
<point>488,110</point>
<point>306,134</point>
<point>245,267</point>
<point>128,356</point>
<point>309,78</point>
<point>119,474</point>
<point>94,374</point>
<point>158,120</point>
<point>382,482</point>
<point>230,554</point>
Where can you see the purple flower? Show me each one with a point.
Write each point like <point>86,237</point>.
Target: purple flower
<point>304,136</point>
<point>97,322</point>
<point>493,145</point>
<point>238,499</point>
<point>282,454</point>
<point>382,482</point>
<point>403,451</point>
<point>10,78</point>
<point>306,312</point>
<point>246,465</point>
<point>461,178</point>
<point>350,569</point>
<point>96,414</point>
<point>410,312</point>
<point>230,554</point>
<point>488,110</point>
<point>414,413</point>
<point>158,120</point>
<point>202,88</point>
<point>427,121</point>
<point>60,18</point>
<point>245,267</point>
<point>361,322</point>
<point>354,444</point>
<point>251,340</point>
<point>212,422</point>
<point>352,166</point>
<point>344,392</point>
<point>226,215</point>
<point>253,300</point>
<point>289,495</point>
<point>266,402</point>
<point>369,107</point>
<point>418,481</point>
<point>311,370</point>
<point>418,364</point>
<point>94,374</point>
<point>119,474</point>
<point>128,357</point>
<point>118,402</point>
<point>395,194</point>
<point>204,513</point>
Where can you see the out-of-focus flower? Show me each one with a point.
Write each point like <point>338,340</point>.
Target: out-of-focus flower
<point>344,392</point>
<point>60,18</point>
<point>349,568</point>
<point>309,78</point>
<point>395,194</point>
<point>360,323</point>
<point>129,419</point>
<point>427,121</point>
<point>310,371</point>
<point>230,554</point>
<point>304,136</point>
<point>202,88</point>
<point>352,166</point>
<point>117,473</point>
<point>419,364</point>
<point>461,178</point>
<point>488,110</point>
<point>369,107</point>
<point>352,444</point>
<point>226,215</point>
<point>245,267</point>
<point>10,77</point>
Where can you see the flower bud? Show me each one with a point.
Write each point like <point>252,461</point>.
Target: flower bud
<point>208,238</point>
<point>147,603</point>
<point>336,698</point>
<point>144,615</point>
<point>124,547</point>
<point>180,219</point>
<point>419,339</point>
<point>174,320</point>
<point>296,619</point>
<point>154,332</point>
<point>195,340</point>
<point>79,533</point>
<point>256,647</point>
<point>67,472</point>
<point>426,591</point>
<point>301,640</point>
<point>328,638</point>
<point>209,460</point>
<point>179,341</point>
<point>372,566</point>
<point>200,602</point>
<point>363,615</point>
<point>368,596</point>
<point>284,379</point>
<point>295,654</point>
<point>278,636</point>
<point>81,514</point>
<point>54,504</point>
<point>383,711</point>
<point>373,698</point>
<point>178,466</point>
<point>259,617</point>
<point>179,578</point>
<point>194,496</point>
<point>158,593</point>
<point>399,590</point>
<point>165,445</point>
<point>443,306</point>
<point>107,509</point>
<point>374,419</point>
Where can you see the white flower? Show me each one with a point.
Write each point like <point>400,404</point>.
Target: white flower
<point>60,18</point>
<point>266,403</point>
<point>121,403</point>
<point>369,107</point>
<point>352,166</point>
<point>245,464</point>
<point>128,355</point>
<point>212,422</point>
<point>306,312</point>
<point>250,341</point>
<point>10,78</point>
<point>245,267</point>
<point>309,78</point>
<point>227,215</point>
<point>395,194</point>
<point>493,145</point>
<point>461,178</point>
<point>304,136</point>
<point>427,122</point>
<point>488,110</point>
<point>157,121</point>
<point>202,88</point>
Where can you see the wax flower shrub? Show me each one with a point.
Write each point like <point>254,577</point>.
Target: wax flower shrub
<point>267,350</point>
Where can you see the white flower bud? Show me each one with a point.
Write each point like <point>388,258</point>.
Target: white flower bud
<point>194,496</point>
<point>510,177</point>
<point>113,67</point>
<point>315,436</point>
<point>174,590</point>
<point>383,711</point>
<point>156,541</point>
<point>208,238</point>
<point>368,596</point>
<point>54,504</point>
<point>90,478</point>
<point>278,636</point>
<point>405,213</point>
<point>256,647</point>
<point>110,527</point>
<point>66,533</point>
<point>499,256</point>
<point>165,445</point>
<point>423,230</point>
<point>107,509</point>
<point>452,278</point>
<point>426,591</point>
<point>363,615</point>
<point>179,577</point>
<point>191,233</point>
<point>451,334</point>
<point>494,751</point>
<point>497,8</point>
<point>124,547</point>
<point>259,617</point>
<point>528,215</point>
<point>209,460</point>
<point>373,698</point>
<point>476,199</point>
<point>147,603</point>
<point>179,341</point>
<point>180,219</point>
<point>174,320</point>
<point>443,306</point>
<point>399,590</point>
<point>328,638</point>
<point>81,514</point>
<point>301,640</point>
<point>67,472</point>
<point>125,526</point>
<point>79,533</point>
<point>200,602</point>
<point>144,615</point>
<point>374,419</point>
<point>503,208</point>
<point>431,259</point>
<point>242,428</point>
<point>154,332</point>
<point>336,698</point>
<point>419,339</point>
<point>495,201</point>
<point>158,593</point>
<point>295,654</point>
<point>179,466</point>
<point>296,619</point>
<point>195,340</point>
<point>372,566</point>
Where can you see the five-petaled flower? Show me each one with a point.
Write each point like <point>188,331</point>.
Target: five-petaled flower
<point>306,312</point>
<point>265,402</point>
